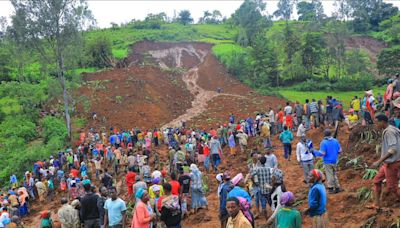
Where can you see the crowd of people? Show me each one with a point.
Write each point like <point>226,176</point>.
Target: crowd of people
<point>163,192</point>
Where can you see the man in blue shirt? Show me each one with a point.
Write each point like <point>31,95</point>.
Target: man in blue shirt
<point>330,150</point>
<point>317,200</point>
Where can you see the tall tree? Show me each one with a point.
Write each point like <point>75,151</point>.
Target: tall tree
<point>249,16</point>
<point>369,13</point>
<point>185,17</point>
<point>265,62</point>
<point>285,9</point>
<point>310,11</point>
<point>312,50</point>
<point>52,28</point>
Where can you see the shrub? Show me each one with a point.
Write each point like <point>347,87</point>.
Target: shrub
<point>53,128</point>
<point>19,127</point>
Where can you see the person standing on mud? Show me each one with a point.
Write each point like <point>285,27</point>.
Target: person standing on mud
<point>262,177</point>
<point>286,137</point>
<point>305,157</point>
<point>390,157</point>
<point>317,200</point>
<point>215,148</point>
<point>223,195</point>
<point>330,150</point>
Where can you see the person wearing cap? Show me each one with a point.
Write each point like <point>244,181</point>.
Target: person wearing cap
<point>288,216</point>
<point>317,200</point>
<point>390,158</point>
<point>262,176</point>
<point>236,218</point>
<point>305,157</point>
<point>67,215</point>
<point>225,189</point>
<point>329,150</point>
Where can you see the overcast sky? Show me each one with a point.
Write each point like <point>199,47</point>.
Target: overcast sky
<point>106,12</point>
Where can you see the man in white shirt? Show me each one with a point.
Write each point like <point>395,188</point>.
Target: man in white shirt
<point>301,131</point>
<point>288,109</point>
<point>271,117</point>
<point>305,157</point>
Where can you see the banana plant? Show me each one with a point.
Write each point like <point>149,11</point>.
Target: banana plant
<point>369,174</point>
<point>364,194</point>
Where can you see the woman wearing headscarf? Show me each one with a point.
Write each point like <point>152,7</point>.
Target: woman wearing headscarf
<point>317,200</point>
<point>288,216</point>
<point>198,197</point>
<point>23,209</point>
<point>142,217</point>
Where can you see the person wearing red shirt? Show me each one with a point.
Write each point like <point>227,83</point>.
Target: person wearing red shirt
<point>280,119</point>
<point>74,172</point>
<point>130,181</point>
<point>289,121</point>
<point>213,132</point>
<point>175,185</point>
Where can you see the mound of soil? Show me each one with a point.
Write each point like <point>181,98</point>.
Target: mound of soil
<point>134,97</point>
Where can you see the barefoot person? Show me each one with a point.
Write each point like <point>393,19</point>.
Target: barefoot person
<point>390,158</point>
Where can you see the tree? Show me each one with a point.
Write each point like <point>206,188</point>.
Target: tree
<point>285,9</point>
<point>312,49</point>
<point>343,10</point>
<point>249,17</point>
<point>356,62</point>
<point>335,42</point>
<point>291,43</point>
<point>368,14</point>
<point>310,11</point>
<point>265,63</point>
<point>99,51</point>
<point>185,17</point>
<point>389,61</point>
<point>52,28</point>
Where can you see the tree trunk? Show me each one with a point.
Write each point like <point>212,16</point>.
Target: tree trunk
<point>61,76</point>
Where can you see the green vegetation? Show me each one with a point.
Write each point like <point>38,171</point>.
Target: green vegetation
<point>345,97</point>
<point>42,56</point>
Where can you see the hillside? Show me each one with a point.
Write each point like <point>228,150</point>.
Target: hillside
<point>147,88</point>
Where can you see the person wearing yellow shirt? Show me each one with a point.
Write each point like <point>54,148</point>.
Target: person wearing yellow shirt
<point>355,105</point>
<point>352,119</point>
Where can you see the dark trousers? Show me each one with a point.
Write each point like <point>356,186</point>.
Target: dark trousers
<point>287,148</point>
<point>92,223</point>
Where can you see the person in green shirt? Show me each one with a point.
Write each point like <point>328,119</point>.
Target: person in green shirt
<point>288,216</point>
<point>46,221</point>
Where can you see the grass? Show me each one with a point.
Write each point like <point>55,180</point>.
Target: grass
<point>122,37</point>
<point>344,97</point>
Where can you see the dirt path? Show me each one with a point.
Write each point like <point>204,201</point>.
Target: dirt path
<point>201,96</point>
